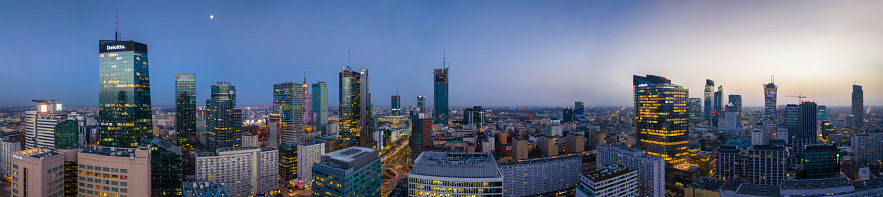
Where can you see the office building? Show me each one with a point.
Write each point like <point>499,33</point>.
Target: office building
<point>109,171</point>
<point>320,106</point>
<point>651,169</point>
<point>396,105</point>
<point>858,107</point>
<point>288,105</point>
<point>331,141</point>
<point>608,181</point>
<point>730,163</point>
<point>823,113</point>
<point>736,101</point>
<point>296,160</point>
<point>204,189</point>
<point>579,108</point>
<point>705,187</point>
<point>695,106</point>
<point>567,115</point>
<point>124,113</point>
<point>661,118</point>
<point>758,137</point>
<point>766,165</point>
<point>769,101</point>
<point>355,109</point>
<point>441,95</point>
<point>802,124</point>
<point>820,161</point>
<point>718,106</point>
<point>353,171</point>
<point>66,135</point>
<point>421,103</point>
<point>249,139</point>
<point>475,115</point>
<point>40,124</point>
<point>166,168</point>
<point>520,148</point>
<point>243,171</point>
<point>709,100</point>
<point>185,112</point>
<point>306,107</point>
<point>223,118</point>
<point>421,134</point>
<point>8,147</point>
<point>37,172</point>
<point>867,148</point>
<point>730,119</point>
<point>455,174</point>
<point>541,176</point>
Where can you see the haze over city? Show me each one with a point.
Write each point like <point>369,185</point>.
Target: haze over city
<point>501,53</point>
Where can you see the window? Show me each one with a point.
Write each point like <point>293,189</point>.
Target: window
<point>124,184</point>
<point>89,167</point>
<point>106,169</point>
<point>123,171</point>
<point>14,166</point>
<point>124,190</point>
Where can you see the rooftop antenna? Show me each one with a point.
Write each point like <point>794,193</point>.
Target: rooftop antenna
<point>349,57</point>
<point>444,58</point>
<point>117,28</point>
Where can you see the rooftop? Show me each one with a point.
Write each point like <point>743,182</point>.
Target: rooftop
<point>352,157</point>
<point>800,184</point>
<point>38,153</point>
<point>607,172</point>
<point>205,189</point>
<point>109,151</point>
<point>758,190</point>
<point>456,165</point>
<point>710,184</point>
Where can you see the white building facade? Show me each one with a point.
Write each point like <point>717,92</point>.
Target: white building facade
<point>547,175</point>
<point>651,169</point>
<point>243,171</point>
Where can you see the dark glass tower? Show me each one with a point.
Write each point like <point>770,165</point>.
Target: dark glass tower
<point>736,100</point>
<point>123,93</point>
<point>185,111</point>
<point>802,125</point>
<point>355,114</point>
<point>475,115</point>
<point>661,118</point>
<point>421,103</point>
<point>858,104</point>
<point>820,161</point>
<point>288,161</point>
<point>320,105</point>
<point>166,168</point>
<point>709,103</point>
<point>695,106</point>
<point>66,135</point>
<point>396,105</point>
<point>441,96</point>
<point>769,98</point>
<point>567,115</point>
<point>223,120</point>
<point>579,110</point>
<point>718,106</point>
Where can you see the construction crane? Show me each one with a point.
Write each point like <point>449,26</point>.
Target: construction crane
<point>799,96</point>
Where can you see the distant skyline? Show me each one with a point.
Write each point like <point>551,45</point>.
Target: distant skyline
<point>502,53</point>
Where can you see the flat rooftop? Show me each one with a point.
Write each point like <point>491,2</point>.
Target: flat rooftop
<point>758,190</point>
<point>868,184</point>
<point>38,153</point>
<point>706,183</point>
<point>456,165</point>
<point>801,184</point>
<point>109,151</point>
<point>352,157</point>
<point>204,189</point>
<point>607,172</point>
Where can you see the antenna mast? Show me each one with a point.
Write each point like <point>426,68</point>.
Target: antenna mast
<point>444,58</point>
<point>117,28</point>
<point>349,57</point>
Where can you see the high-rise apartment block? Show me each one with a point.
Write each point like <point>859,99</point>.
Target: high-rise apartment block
<point>541,176</point>
<point>124,113</point>
<point>353,171</point>
<point>185,112</point>
<point>661,118</point>
<point>455,174</point>
<point>608,181</point>
<point>223,118</point>
<point>867,148</point>
<point>651,169</point>
<point>243,171</point>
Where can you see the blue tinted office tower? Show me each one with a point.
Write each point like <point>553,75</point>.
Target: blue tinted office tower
<point>223,119</point>
<point>823,113</point>
<point>441,96</point>
<point>709,97</point>
<point>820,161</point>
<point>802,125</point>
<point>695,106</point>
<point>769,98</point>
<point>718,106</point>
<point>288,104</point>
<point>355,114</point>
<point>661,118</point>
<point>123,93</point>
<point>185,112</point>
<point>858,105</point>
<point>320,105</point>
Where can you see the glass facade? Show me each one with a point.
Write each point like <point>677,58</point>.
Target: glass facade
<point>320,105</point>
<point>288,161</point>
<point>66,135</point>
<point>769,100</point>
<point>695,105</point>
<point>661,119</point>
<point>288,104</point>
<point>166,170</point>
<point>475,115</point>
<point>395,105</point>
<point>858,105</point>
<point>124,93</point>
<point>362,182</point>
<point>718,107</point>
<point>185,111</point>
<point>426,187</point>
<point>70,178</point>
<point>441,96</point>
<point>223,119</point>
<point>709,97</point>
<point>355,106</point>
<point>820,162</point>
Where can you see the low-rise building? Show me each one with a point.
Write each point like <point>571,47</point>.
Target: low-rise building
<point>541,176</point>
<point>204,189</point>
<point>455,174</point>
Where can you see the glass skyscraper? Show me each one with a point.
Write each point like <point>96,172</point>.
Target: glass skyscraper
<point>166,168</point>
<point>718,106</point>
<point>858,105</point>
<point>320,105</point>
<point>695,111</point>
<point>288,104</point>
<point>661,118</point>
<point>185,111</point>
<point>396,105</point>
<point>355,114</point>
<point>123,93</point>
<point>441,96</point>
<point>709,96</point>
<point>421,103</point>
<point>223,120</point>
<point>769,101</point>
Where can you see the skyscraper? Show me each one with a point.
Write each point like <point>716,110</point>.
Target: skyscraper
<point>421,134</point>
<point>802,125</point>
<point>320,105</point>
<point>355,114</point>
<point>441,96</point>
<point>736,100</point>
<point>288,104</point>
<point>185,111</point>
<point>858,99</point>
<point>567,115</point>
<point>475,115</point>
<point>421,103</point>
<point>718,106</point>
<point>709,97</point>
<point>123,93</point>
<point>661,118</point>
<point>307,107</point>
<point>223,119</point>
<point>769,98</point>
<point>695,106</point>
<point>40,124</point>
<point>396,104</point>
<point>579,107</point>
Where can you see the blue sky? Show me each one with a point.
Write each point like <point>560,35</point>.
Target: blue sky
<point>501,52</point>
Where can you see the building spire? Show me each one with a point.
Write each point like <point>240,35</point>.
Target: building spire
<point>116,33</point>
<point>349,57</point>
<point>305,77</point>
<point>444,58</point>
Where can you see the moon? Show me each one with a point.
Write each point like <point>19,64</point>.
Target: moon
<point>211,16</point>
